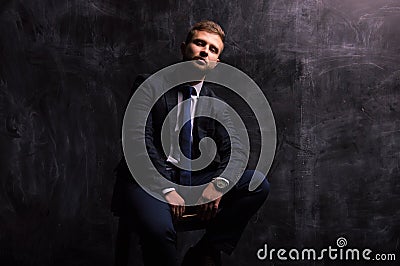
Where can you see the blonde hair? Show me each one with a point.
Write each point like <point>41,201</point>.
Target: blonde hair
<point>205,25</point>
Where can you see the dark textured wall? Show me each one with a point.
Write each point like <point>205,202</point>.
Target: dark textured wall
<point>330,69</point>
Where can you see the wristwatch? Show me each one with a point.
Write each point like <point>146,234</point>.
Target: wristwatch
<point>220,183</point>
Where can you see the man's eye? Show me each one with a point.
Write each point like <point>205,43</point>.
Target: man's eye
<point>198,42</point>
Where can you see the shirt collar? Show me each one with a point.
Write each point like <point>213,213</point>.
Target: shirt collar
<point>198,87</point>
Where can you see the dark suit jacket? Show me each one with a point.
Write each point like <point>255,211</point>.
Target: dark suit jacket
<point>202,127</point>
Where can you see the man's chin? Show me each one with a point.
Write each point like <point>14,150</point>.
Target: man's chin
<point>203,65</point>
<point>198,66</point>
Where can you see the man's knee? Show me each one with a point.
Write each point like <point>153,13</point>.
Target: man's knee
<point>264,188</point>
<point>159,231</point>
<point>251,177</point>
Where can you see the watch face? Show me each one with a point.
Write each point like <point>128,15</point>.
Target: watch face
<point>221,184</point>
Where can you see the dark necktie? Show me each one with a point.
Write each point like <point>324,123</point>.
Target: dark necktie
<point>185,136</point>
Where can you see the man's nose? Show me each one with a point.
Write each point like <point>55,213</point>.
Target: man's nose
<point>204,53</point>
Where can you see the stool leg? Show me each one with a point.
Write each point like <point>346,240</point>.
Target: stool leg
<point>122,244</point>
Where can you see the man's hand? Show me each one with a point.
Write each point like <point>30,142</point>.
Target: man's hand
<point>176,202</point>
<point>212,197</point>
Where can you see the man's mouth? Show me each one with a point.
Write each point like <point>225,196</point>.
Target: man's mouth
<point>201,60</point>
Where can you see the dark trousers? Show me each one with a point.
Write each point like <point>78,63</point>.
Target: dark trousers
<point>152,220</point>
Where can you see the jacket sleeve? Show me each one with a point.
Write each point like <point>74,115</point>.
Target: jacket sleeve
<point>230,147</point>
<point>147,164</point>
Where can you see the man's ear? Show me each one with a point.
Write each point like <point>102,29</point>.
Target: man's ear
<point>183,48</point>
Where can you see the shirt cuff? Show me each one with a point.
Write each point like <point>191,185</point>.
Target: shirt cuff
<point>167,190</point>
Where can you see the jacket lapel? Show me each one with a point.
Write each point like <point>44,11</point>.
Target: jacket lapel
<point>171,99</point>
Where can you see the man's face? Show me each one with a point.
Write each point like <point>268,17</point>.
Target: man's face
<point>204,48</point>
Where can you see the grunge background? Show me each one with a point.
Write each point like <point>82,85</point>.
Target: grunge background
<point>329,68</point>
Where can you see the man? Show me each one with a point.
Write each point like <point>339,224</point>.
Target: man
<point>223,213</point>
